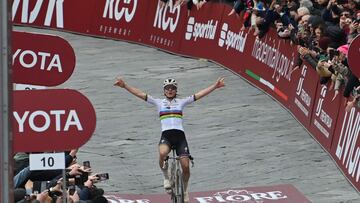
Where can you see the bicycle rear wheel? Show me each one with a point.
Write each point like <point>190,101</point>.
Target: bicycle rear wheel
<point>179,187</point>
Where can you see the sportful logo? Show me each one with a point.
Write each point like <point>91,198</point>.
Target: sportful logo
<point>242,196</point>
<point>111,8</point>
<point>231,39</point>
<point>200,30</point>
<point>348,149</point>
<point>53,4</point>
<point>167,16</point>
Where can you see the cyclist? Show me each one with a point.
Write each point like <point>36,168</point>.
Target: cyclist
<point>170,112</point>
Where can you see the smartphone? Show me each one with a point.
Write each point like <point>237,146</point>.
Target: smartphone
<point>72,190</point>
<point>86,164</point>
<point>103,176</point>
<point>36,187</point>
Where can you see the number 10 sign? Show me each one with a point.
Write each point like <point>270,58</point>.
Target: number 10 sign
<point>48,161</point>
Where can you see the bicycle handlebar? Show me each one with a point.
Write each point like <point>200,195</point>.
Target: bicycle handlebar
<point>178,158</point>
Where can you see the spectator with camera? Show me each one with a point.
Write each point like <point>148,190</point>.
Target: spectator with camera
<point>47,186</point>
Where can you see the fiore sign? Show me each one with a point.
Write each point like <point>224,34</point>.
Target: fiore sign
<point>51,120</point>
<point>40,59</point>
<point>354,55</point>
<point>267,194</point>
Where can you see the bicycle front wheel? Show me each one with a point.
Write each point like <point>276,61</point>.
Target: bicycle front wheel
<point>179,187</point>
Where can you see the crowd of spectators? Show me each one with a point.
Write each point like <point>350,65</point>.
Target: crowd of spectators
<point>47,186</point>
<point>321,29</point>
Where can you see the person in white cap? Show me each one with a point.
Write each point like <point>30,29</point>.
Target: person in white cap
<point>171,112</point>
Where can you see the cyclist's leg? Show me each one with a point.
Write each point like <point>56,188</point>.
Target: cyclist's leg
<point>184,161</point>
<point>164,149</point>
<point>182,150</point>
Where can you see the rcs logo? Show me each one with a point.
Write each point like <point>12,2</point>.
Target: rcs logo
<point>112,8</point>
<point>167,16</point>
<point>56,5</point>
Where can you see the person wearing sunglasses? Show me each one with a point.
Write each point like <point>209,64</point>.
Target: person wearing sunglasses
<point>170,111</point>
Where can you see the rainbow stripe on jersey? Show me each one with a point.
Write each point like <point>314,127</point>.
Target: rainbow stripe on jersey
<point>170,114</point>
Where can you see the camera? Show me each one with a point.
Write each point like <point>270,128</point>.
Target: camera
<point>80,179</point>
<point>103,176</point>
<point>54,193</point>
<point>71,189</point>
<point>86,164</point>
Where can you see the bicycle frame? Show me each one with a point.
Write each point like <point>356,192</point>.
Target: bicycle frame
<point>176,179</point>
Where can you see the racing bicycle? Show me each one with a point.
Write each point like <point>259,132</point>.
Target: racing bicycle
<point>176,177</point>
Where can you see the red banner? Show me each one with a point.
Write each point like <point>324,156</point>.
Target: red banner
<point>41,59</point>
<point>303,97</point>
<point>267,194</point>
<point>324,117</point>
<point>51,120</point>
<point>268,64</point>
<point>234,45</point>
<point>345,148</point>
<point>354,56</point>
<point>165,26</point>
<point>202,30</point>
<point>60,14</point>
<point>210,33</point>
<point>120,19</point>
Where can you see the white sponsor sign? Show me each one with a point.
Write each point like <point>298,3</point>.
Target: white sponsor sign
<point>29,59</point>
<point>197,30</point>
<point>47,161</point>
<point>322,115</point>
<point>112,9</point>
<point>231,39</point>
<point>270,55</point>
<point>163,16</point>
<point>54,6</point>
<point>54,117</point>
<point>241,196</point>
<point>347,149</point>
<point>300,92</point>
<point>28,87</point>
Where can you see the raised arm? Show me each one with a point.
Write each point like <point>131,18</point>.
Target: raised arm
<point>121,83</point>
<point>218,84</point>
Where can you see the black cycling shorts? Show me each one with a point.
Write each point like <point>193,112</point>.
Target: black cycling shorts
<point>175,139</point>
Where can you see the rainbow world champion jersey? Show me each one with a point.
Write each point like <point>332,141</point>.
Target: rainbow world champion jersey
<point>171,112</point>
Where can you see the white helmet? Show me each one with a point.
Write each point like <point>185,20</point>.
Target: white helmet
<point>170,81</point>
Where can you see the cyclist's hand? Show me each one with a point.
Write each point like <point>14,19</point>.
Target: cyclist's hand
<point>119,82</point>
<point>220,82</point>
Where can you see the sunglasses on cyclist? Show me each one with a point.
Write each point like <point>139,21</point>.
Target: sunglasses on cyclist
<point>168,87</point>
